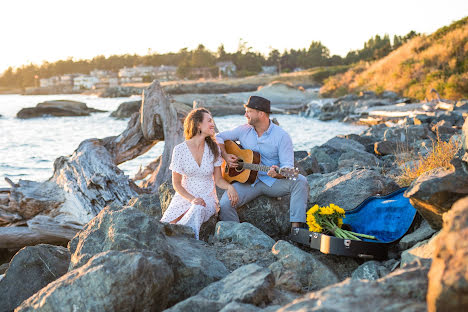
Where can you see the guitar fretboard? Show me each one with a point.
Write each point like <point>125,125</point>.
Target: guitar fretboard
<point>255,167</point>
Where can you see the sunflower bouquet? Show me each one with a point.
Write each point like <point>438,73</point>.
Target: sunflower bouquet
<point>330,219</point>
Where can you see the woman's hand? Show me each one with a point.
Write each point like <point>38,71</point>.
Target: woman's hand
<point>198,201</point>
<point>232,195</point>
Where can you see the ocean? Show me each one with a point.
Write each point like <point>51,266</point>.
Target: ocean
<point>29,147</point>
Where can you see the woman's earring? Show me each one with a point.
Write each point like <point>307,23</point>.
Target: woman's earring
<point>199,131</point>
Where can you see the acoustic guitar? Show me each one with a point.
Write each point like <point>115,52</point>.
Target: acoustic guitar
<point>249,165</point>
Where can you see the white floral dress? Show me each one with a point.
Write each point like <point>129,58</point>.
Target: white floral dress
<point>198,181</point>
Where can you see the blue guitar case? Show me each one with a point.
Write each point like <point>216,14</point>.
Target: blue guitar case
<point>388,218</point>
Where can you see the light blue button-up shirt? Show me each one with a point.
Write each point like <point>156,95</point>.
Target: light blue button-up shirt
<point>275,146</point>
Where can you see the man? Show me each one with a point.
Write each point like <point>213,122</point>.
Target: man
<point>276,151</point>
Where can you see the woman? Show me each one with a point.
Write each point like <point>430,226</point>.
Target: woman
<point>195,169</point>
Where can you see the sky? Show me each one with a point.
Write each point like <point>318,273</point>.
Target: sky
<point>35,31</point>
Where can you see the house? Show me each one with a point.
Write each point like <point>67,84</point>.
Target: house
<point>165,73</point>
<point>226,69</point>
<point>84,82</point>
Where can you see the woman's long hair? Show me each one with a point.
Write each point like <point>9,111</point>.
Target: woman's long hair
<point>191,122</point>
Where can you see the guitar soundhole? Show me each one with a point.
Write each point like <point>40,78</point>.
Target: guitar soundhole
<point>240,165</point>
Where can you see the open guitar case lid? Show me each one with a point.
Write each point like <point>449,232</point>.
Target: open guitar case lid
<point>388,218</point>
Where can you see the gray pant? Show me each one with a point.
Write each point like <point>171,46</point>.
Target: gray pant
<point>299,190</point>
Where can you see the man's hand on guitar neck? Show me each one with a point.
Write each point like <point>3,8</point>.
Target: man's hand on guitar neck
<point>273,172</point>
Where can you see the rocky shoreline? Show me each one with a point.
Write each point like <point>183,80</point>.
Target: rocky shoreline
<point>124,259</point>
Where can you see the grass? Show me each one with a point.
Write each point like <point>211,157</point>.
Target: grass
<point>437,61</point>
<point>412,166</point>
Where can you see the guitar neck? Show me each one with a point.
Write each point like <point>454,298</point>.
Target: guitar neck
<point>256,167</point>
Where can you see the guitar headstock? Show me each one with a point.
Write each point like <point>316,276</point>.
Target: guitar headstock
<point>289,173</point>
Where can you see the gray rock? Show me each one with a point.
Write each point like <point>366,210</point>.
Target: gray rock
<point>234,255</point>
<point>340,187</point>
<point>126,109</point>
<point>448,277</point>
<point>237,306</point>
<point>331,151</point>
<point>423,232</point>
<point>244,234</point>
<point>270,215</point>
<point>31,269</point>
<point>402,290</point>
<point>250,284</point>
<point>310,272</point>
<point>358,159</point>
<point>148,204</point>
<point>4,267</point>
<point>110,281</point>
<point>115,228</point>
<point>385,148</point>
<point>370,270</point>
<point>128,228</point>
<point>196,267</point>
<point>308,165</point>
<point>408,134</point>
<point>298,155</point>
<point>56,108</point>
<point>376,133</point>
<point>434,193</point>
<point>343,144</point>
<point>422,252</point>
<point>390,95</point>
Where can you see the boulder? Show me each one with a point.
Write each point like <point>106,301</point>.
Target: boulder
<point>358,159</point>
<point>308,165</point>
<point>340,188</point>
<point>58,108</point>
<point>434,192</point>
<point>423,232</point>
<point>244,234</point>
<point>390,95</point>
<point>448,277</point>
<point>117,228</point>
<point>295,264</point>
<point>110,281</point>
<point>31,269</point>
<point>383,148</point>
<point>250,284</point>
<point>234,255</point>
<point>270,215</point>
<point>126,109</point>
<point>408,134</point>
<point>370,270</point>
<point>376,132</point>
<point>148,204</point>
<point>402,290</point>
<point>422,252</point>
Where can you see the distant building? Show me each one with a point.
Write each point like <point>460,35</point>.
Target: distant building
<point>57,81</point>
<point>269,70</point>
<point>84,82</point>
<point>226,69</point>
<point>100,73</point>
<point>147,73</point>
<point>48,82</point>
<point>165,73</point>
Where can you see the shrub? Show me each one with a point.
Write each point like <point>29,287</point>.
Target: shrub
<point>412,166</point>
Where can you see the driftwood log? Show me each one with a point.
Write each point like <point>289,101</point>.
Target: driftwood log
<point>88,180</point>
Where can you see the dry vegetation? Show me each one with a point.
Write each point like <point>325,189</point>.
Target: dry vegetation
<point>412,166</point>
<point>438,61</point>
